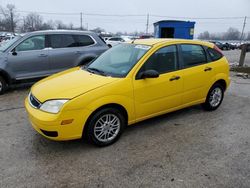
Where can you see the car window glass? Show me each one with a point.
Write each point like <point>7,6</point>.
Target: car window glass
<point>192,55</point>
<point>119,60</point>
<point>114,39</point>
<point>84,40</point>
<point>32,43</point>
<point>62,41</point>
<point>163,60</point>
<point>214,55</point>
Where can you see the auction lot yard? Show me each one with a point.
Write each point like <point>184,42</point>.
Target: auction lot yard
<point>187,148</point>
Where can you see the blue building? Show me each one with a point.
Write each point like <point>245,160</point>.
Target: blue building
<point>174,29</point>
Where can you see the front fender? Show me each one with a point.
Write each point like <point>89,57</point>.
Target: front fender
<point>124,101</point>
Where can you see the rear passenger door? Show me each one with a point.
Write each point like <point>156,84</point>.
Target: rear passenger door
<point>197,72</point>
<point>63,52</point>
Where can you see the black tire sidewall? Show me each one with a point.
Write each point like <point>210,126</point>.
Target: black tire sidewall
<point>207,104</point>
<point>4,85</point>
<point>90,127</point>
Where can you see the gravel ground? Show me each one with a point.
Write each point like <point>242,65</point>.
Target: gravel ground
<point>234,56</point>
<point>187,148</point>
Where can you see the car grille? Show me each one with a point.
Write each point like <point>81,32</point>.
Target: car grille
<point>34,102</point>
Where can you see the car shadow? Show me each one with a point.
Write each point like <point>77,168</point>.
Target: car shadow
<point>19,87</point>
<point>45,145</point>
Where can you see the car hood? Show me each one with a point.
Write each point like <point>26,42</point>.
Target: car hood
<point>69,84</point>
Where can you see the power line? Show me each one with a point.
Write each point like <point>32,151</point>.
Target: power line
<point>131,15</point>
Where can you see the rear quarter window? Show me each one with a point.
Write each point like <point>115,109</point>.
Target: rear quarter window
<point>214,55</point>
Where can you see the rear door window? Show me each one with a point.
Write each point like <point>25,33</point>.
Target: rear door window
<point>62,41</point>
<point>192,55</point>
<point>84,40</point>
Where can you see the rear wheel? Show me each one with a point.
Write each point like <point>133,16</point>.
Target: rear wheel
<point>214,97</point>
<point>105,127</point>
<point>3,85</point>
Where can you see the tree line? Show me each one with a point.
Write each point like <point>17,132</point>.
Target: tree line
<point>230,34</point>
<point>11,21</point>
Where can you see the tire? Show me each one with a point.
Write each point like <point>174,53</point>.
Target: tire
<point>214,97</point>
<point>3,85</point>
<point>99,132</point>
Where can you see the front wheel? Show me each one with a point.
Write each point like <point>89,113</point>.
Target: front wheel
<point>214,97</point>
<point>105,127</point>
<point>3,85</point>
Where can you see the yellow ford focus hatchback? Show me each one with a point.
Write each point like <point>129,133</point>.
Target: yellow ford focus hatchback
<point>127,84</point>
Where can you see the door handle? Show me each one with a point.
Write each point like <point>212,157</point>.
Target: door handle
<point>77,52</point>
<point>174,78</point>
<point>42,55</point>
<point>207,69</point>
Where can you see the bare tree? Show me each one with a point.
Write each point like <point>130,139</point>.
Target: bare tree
<point>97,30</point>
<point>10,18</point>
<point>32,22</point>
<point>60,25</point>
<point>204,35</point>
<point>232,34</point>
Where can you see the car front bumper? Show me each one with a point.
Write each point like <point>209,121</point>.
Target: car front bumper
<point>49,125</point>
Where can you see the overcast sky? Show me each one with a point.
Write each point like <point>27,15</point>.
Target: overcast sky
<point>166,8</point>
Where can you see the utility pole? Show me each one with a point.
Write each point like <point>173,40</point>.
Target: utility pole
<point>147,25</point>
<point>243,28</point>
<point>11,19</point>
<point>81,20</point>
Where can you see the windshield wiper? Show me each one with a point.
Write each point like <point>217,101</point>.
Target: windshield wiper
<point>95,70</point>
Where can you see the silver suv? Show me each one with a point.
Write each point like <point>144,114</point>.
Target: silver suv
<point>42,53</point>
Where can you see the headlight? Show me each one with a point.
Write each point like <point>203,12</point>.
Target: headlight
<point>53,106</point>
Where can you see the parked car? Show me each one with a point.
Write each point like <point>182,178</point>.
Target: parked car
<point>113,41</point>
<point>129,83</point>
<point>42,53</point>
<point>222,46</point>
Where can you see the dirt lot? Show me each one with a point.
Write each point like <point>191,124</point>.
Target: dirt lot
<point>188,148</point>
<point>234,56</point>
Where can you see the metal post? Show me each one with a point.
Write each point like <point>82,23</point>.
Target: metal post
<point>243,54</point>
<point>147,25</point>
<point>242,33</point>
<point>81,20</point>
<point>12,21</point>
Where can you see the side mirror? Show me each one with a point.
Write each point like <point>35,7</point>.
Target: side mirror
<point>149,74</point>
<point>14,52</point>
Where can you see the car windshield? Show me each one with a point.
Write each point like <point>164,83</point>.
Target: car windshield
<point>4,45</point>
<point>118,61</point>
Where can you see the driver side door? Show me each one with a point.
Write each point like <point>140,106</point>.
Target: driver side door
<point>154,96</point>
<point>29,59</point>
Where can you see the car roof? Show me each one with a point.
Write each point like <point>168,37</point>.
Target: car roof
<point>154,42</point>
<point>60,31</point>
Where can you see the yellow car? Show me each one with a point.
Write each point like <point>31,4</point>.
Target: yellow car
<point>128,83</point>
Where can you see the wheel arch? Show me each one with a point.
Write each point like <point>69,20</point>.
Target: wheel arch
<point>222,82</point>
<point>117,106</point>
<point>5,76</point>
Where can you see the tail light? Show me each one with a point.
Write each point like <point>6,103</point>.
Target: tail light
<point>218,50</point>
